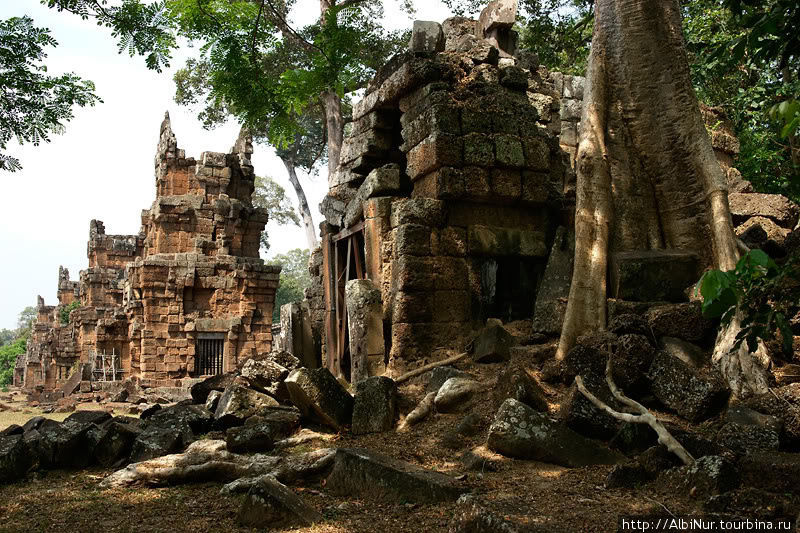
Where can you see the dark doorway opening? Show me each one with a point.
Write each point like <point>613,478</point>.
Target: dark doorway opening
<point>508,287</point>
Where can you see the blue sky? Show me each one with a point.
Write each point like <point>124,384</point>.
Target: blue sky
<point>102,166</point>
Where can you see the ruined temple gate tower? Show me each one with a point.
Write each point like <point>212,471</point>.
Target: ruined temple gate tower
<point>186,297</point>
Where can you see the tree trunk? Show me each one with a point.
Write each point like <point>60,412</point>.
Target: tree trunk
<point>647,175</point>
<point>305,212</point>
<point>335,127</point>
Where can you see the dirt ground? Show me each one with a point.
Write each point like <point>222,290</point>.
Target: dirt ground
<point>554,498</point>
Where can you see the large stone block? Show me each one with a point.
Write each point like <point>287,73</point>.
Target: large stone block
<point>494,241</point>
<point>365,324</point>
<point>412,239</point>
<point>373,143</point>
<point>437,119</point>
<point>653,275</point>
<point>375,476</point>
<point>694,394</point>
<point>374,405</point>
<point>320,396</point>
<point>774,206</point>
<point>436,151</point>
<point>383,181</point>
<point>424,211</point>
<point>521,432</point>
<point>271,505</point>
<point>426,37</point>
<point>551,298</point>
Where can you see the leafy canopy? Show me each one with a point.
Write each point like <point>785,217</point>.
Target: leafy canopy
<point>271,196</point>
<point>294,280</point>
<point>33,105</point>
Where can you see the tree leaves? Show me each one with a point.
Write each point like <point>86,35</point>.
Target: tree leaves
<point>33,105</point>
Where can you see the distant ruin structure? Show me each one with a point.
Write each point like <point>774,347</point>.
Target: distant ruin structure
<point>186,297</point>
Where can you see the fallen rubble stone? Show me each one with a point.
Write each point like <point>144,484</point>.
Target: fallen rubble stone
<point>238,403</point>
<point>523,433</point>
<point>271,505</point>
<point>200,391</point>
<point>15,458</point>
<point>694,394</point>
<point>374,405</point>
<point>321,397</point>
<point>454,394</point>
<point>365,473</point>
<point>515,381</point>
<point>115,443</point>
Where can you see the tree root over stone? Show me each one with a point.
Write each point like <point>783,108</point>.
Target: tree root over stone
<point>208,460</point>
<point>665,438</point>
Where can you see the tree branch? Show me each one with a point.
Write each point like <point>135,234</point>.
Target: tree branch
<point>644,417</point>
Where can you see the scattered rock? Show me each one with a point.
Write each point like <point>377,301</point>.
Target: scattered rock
<point>684,321</point>
<point>454,394</point>
<point>441,374</point>
<point>476,463</point>
<point>693,394</point>
<point>747,438</point>
<point>320,396</point>
<point>472,518</point>
<point>115,443</point>
<point>213,400</point>
<point>15,458</point>
<point>265,376</point>
<point>238,403</point>
<point>689,353</point>
<point>712,474</point>
<point>260,432</point>
<point>145,411</point>
<point>271,505</point>
<point>633,438</point>
<point>492,345</point>
<point>516,381</point>
<point>65,445</point>
<point>360,472</point>
<point>627,475</point>
<point>582,416</point>
<point>197,417</point>
<point>421,411</point>
<point>158,441</point>
<point>777,472</point>
<point>628,324</point>
<point>13,429</point>
<point>630,362</point>
<point>200,391</point>
<point>521,432</point>
<point>374,405</point>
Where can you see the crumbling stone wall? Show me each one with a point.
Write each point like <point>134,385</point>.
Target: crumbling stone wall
<point>454,167</point>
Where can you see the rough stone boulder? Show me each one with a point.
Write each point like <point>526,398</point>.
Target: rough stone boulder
<point>516,381</point>
<point>89,417</point>
<point>441,374</point>
<point>695,394</point>
<point>115,443</point>
<point>238,403</point>
<point>158,440</point>
<point>763,233</point>
<point>213,400</point>
<point>427,37</point>
<point>197,417</point>
<point>689,353</point>
<point>779,406</point>
<point>320,396</point>
<point>200,391</point>
<point>628,323</point>
<point>261,431</point>
<point>711,474</point>
<point>15,458</point>
<point>360,472</point>
<point>455,393</point>
<point>265,376</point>
<point>684,321</point>
<point>773,206</point>
<point>13,429</point>
<point>747,431</point>
<point>777,472</point>
<point>630,362</point>
<point>374,405</point>
<point>523,433</point>
<point>492,345</point>
<point>582,416</point>
<point>652,275</point>
<point>271,505</point>
<point>471,517</point>
<point>65,445</point>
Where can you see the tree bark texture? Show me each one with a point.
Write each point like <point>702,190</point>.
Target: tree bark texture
<point>302,204</point>
<point>647,175</point>
<point>334,122</point>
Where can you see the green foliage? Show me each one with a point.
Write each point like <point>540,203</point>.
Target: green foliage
<point>63,313</point>
<point>8,359</point>
<point>25,321</point>
<point>558,31</point>
<point>743,59</point>
<point>271,196</point>
<point>141,29</point>
<point>294,280</point>
<point>764,293</point>
<point>6,336</point>
<point>33,105</point>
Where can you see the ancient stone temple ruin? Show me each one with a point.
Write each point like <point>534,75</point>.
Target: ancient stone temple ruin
<point>454,203</point>
<point>186,297</point>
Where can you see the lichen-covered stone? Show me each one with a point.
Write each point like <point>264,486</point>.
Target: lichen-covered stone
<point>521,432</point>
<point>271,505</point>
<point>239,403</point>
<point>694,394</point>
<point>374,405</point>
<point>321,397</point>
